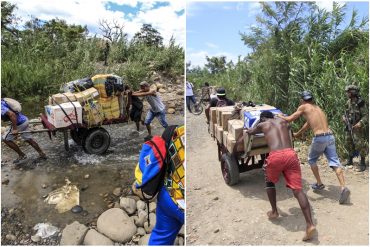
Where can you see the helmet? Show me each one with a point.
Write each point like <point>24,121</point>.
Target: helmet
<point>306,95</point>
<point>221,91</point>
<point>353,89</point>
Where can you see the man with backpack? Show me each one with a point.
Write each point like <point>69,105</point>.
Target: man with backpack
<point>157,110</point>
<point>220,101</point>
<point>19,123</point>
<point>160,174</point>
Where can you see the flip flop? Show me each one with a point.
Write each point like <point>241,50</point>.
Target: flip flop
<point>317,186</point>
<point>344,195</point>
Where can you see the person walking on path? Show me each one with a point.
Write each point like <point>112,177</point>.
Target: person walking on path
<point>19,122</point>
<point>282,159</point>
<point>157,110</point>
<point>356,121</point>
<point>189,95</point>
<point>322,143</point>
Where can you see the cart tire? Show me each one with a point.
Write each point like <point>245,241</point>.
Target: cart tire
<point>96,141</point>
<point>230,169</point>
<point>78,135</point>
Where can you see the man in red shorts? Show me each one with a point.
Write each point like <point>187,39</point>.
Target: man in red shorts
<point>282,159</point>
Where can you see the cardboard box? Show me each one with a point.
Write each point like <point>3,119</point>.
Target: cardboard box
<point>88,94</point>
<point>92,114</point>
<point>225,116</point>
<point>110,107</point>
<point>252,142</point>
<point>212,114</point>
<point>231,144</point>
<point>219,112</point>
<point>219,133</point>
<point>224,138</point>
<point>235,127</point>
<point>59,119</point>
<point>60,98</point>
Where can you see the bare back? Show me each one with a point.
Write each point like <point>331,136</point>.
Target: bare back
<point>277,134</point>
<point>316,118</point>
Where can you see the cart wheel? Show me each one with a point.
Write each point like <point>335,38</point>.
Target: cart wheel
<point>96,141</point>
<point>78,135</point>
<point>230,169</point>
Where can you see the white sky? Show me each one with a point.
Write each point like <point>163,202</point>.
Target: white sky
<point>89,12</point>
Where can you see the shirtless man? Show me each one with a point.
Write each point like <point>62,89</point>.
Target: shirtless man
<point>322,143</point>
<point>282,159</point>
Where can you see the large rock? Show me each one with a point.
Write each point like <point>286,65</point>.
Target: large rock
<point>128,204</point>
<point>73,234</point>
<point>171,111</point>
<point>148,228</point>
<point>141,231</point>
<point>144,240</point>
<point>152,207</point>
<point>141,205</point>
<point>142,217</point>
<point>95,238</point>
<point>116,225</point>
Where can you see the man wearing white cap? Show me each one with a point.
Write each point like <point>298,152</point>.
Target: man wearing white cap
<point>219,101</point>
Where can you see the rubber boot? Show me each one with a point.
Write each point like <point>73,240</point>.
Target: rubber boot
<point>349,161</point>
<point>362,166</point>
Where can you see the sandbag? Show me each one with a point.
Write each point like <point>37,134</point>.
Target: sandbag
<point>13,104</point>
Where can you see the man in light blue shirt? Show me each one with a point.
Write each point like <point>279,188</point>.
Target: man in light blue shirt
<point>157,110</point>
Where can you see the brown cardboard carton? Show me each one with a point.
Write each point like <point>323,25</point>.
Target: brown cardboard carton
<point>212,114</point>
<point>231,144</point>
<point>219,133</point>
<point>224,138</point>
<point>255,108</point>
<point>224,119</point>
<point>62,98</point>
<point>88,94</point>
<point>235,127</point>
<point>219,112</point>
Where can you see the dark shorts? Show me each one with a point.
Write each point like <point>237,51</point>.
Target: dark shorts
<point>284,161</point>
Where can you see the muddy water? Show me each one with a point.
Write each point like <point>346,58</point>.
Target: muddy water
<point>114,169</point>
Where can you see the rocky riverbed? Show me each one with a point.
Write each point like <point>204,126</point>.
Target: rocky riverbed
<point>103,181</point>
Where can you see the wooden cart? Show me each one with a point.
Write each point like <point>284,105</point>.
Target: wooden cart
<point>237,157</point>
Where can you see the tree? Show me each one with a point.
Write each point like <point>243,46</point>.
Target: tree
<point>8,19</point>
<point>113,31</point>
<point>216,64</point>
<point>148,36</point>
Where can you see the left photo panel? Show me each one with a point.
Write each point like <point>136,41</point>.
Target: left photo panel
<point>92,122</point>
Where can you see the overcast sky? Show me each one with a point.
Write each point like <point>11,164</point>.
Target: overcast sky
<point>168,17</point>
<point>212,28</point>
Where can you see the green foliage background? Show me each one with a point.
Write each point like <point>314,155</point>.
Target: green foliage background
<point>38,57</point>
<point>297,47</point>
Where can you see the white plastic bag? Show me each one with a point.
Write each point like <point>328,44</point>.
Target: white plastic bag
<point>45,230</point>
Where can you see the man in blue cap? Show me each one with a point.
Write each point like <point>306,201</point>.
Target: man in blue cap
<point>322,143</point>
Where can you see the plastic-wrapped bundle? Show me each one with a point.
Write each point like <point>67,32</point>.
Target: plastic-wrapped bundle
<point>77,85</point>
<point>108,84</point>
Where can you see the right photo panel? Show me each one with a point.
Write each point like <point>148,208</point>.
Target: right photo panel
<point>277,123</point>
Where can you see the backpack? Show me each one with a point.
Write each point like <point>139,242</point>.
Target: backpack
<point>14,105</point>
<point>221,103</point>
<point>151,169</point>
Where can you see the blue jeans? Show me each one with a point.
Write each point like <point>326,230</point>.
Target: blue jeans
<point>170,219</point>
<point>323,145</point>
<point>188,99</point>
<point>160,115</point>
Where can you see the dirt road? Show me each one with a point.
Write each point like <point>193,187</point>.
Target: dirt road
<point>221,215</point>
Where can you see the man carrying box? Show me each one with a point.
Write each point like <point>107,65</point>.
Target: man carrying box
<point>19,122</point>
<point>157,107</point>
<point>282,159</point>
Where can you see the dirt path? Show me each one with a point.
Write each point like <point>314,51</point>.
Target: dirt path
<point>221,215</point>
